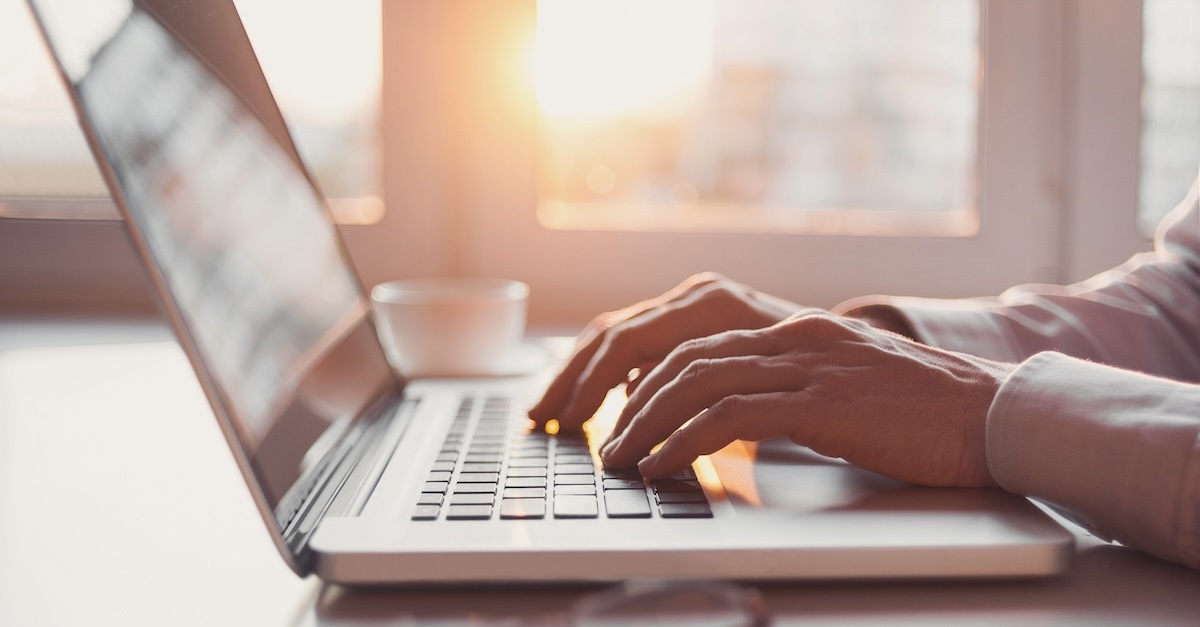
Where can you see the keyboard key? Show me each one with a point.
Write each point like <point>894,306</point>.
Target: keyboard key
<point>439,476</point>
<point>540,451</point>
<point>493,458</point>
<point>681,497</point>
<point>425,512</point>
<point>474,488</point>
<point>525,482</point>
<point>589,489</point>
<point>478,477</point>
<point>622,473</point>
<point>468,512</point>
<point>527,472</point>
<point>575,507</point>
<point>528,462</point>
<point>624,484</point>
<point>435,486</point>
<point>447,457</point>
<point>675,485</point>
<point>480,467</point>
<point>685,510</point>
<point>574,469</point>
<point>442,466</point>
<point>522,508</point>
<point>429,499</point>
<point>472,499</point>
<point>574,480</point>
<point>626,504</point>
<point>524,493</point>
<point>573,459</point>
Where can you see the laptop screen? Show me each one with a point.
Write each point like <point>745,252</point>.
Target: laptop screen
<point>253,271</point>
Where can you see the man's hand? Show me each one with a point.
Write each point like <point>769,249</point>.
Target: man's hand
<point>640,336</point>
<point>837,385</point>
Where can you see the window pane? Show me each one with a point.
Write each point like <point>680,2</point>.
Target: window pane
<point>322,62</point>
<point>1170,106</point>
<point>759,114</point>
<point>42,151</point>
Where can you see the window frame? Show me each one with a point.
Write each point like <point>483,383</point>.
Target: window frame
<point>459,182</point>
<point>487,182</point>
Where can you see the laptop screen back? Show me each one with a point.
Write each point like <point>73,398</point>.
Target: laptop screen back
<point>238,240</point>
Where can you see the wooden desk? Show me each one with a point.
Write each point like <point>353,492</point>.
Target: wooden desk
<point>120,504</point>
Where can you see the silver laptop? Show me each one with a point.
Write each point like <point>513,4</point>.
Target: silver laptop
<point>363,476</point>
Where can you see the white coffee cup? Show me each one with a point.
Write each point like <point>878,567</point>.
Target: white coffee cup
<point>450,326</point>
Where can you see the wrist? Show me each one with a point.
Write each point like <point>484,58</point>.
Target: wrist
<point>885,318</point>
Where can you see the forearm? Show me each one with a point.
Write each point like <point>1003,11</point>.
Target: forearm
<point>1139,316</point>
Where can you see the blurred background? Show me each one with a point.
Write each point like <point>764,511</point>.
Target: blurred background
<point>604,150</point>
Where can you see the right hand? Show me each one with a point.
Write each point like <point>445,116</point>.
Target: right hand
<point>638,337</point>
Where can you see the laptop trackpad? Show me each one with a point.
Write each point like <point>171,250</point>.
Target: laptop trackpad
<point>780,475</point>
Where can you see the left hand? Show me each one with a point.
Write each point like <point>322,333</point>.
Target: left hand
<point>874,398</point>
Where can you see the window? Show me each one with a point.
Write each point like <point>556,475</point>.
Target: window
<point>322,63</point>
<point>1170,146</point>
<point>1031,168</point>
<point>990,194</point>
<point>43,154</point>
<point>811,116</point>
<point>328,91</point>
<point>85,260</point>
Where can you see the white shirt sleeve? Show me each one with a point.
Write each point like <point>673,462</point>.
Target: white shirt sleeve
<point>1077,425</point>
<point>1114,450</point>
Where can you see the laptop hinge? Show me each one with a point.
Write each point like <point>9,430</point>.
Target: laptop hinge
<point>346,470</point>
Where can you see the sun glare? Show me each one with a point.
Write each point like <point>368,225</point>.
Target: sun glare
<point>605,59</point>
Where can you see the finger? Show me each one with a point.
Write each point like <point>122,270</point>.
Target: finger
<point>718,346</point>
<point>562,387</point>
<point>649,338</point>
<point>703,384</point>
<point>703,309</point>
<point>559,391</point>
<point>742,417</point>
<point>772,340</point>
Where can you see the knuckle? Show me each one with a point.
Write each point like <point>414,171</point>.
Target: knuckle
<point>706,277</point>
<point>729,407</point>
<point>617,341</point>
<point>691,347</point>
<point>822,324</point>
<point>599,324</point>
<point>695,371</point>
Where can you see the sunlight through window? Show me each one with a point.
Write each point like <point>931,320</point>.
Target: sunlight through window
<point>808,115</point>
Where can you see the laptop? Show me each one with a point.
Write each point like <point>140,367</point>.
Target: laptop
<point>364,476</point>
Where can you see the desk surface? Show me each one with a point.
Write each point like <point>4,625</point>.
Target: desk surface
<point>120,504</point>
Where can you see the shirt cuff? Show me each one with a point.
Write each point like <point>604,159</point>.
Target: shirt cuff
<point>1115,450</point>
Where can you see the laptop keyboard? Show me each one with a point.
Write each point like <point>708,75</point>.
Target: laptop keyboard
<point>490,467</point>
